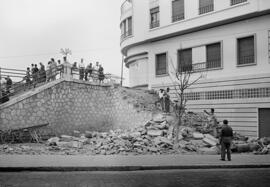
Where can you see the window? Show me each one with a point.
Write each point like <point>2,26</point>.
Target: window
<point>245,50</point>
<point>129,31</point>
<point>206,6</point>
<point>213,56</point>
<point>178,10</point>
<point>185,60</point>
<point>154,17</point>
<point>126,28</point>
<point>161,64</point>
<point>234,2</point>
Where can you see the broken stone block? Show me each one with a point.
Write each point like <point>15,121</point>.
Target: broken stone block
<point>197,135</point>
<point>209,151</point>
<point>153,149</point>
<point>209,142</point>
<point>155,132</point>
<point>53,140</point>
<point>66,138</point>
<point>88,134</point>
<point>158,118</point>
<point>209,136</point>
<point>135,134</point>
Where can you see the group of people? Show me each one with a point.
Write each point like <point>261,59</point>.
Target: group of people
<point>6,85</point>
<point>40,74</point>
<point>164,100</point>
<point>91,71</point>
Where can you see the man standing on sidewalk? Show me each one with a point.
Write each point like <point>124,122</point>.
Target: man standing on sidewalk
<point>226,137</point>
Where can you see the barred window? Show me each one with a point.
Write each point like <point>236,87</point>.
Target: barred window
<point>154,17</point>
<point>206,6</point>
<point>161,64</point>
<point>185,60</point>
<point>234,2</point>
<point>129,31</point>
<point>213,56</point>
<point>245,50</point>
<point>178,10</point>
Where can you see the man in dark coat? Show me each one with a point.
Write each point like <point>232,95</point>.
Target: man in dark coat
<point>226,137</point>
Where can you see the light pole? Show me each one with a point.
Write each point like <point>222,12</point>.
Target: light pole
<point>121,83</point>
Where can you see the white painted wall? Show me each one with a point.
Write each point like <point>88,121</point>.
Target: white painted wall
<point>222,10</point>
<point>138,72</point>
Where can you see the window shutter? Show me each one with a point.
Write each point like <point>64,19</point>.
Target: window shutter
<point>178,10</point>
<point>185,60</point>
<point>246,50</point>
<point>161,64</point>
<point>213,56</point>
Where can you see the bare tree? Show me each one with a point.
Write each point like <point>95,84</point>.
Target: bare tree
<point>183,78</point>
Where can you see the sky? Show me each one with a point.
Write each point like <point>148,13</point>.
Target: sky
<point>33,31</point>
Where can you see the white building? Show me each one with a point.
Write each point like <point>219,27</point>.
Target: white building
<point>228,40</point>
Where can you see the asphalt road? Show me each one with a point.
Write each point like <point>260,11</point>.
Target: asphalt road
<point>202,177</point>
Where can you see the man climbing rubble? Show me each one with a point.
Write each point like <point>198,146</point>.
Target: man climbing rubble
<point>213,121</point>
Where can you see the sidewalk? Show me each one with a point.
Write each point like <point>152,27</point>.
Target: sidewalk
<point>128,163</point>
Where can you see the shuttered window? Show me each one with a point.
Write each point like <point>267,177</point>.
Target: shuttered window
<point>213,56</point>
<point>206,6</point>
<point>154,17</point>
<point>234,2</point>
<point>245,50</point>
<point>185,60</point>
<point>161,64</point>
<point>178,10</point>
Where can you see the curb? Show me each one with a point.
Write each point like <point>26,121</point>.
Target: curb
<point>128,168</point>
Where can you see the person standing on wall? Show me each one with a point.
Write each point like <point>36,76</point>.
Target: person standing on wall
<point>81,69</point>
<point>167,100</point>
<point>213,121</point>
<point>226,137</point>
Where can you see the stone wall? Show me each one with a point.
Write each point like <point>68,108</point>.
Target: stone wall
<point>72,105</point>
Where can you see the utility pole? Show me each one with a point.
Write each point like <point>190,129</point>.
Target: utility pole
<point>0,84</point>
<point>121,83</point>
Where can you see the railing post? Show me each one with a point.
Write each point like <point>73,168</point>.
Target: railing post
<point>67,71</point>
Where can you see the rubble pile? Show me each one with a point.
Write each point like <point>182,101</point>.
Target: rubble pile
<point>154,137</point>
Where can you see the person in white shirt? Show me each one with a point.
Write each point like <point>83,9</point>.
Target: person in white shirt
<point>81,69</point>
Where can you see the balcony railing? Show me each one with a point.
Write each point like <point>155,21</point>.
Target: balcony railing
<point>126,34</point>
<point>154,24</point>
<point>178,17</point>
<point>234,2</point>
<point>246,60</point>
<point>205,9</point>
<point>203,66</point>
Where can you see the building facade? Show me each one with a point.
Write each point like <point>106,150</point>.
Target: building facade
<point>227,41</point>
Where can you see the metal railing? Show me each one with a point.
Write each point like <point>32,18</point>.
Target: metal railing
<point>246,60</point>
<point>234,2</point>
<point>203,66</point>
<point>27,82</point>
<point>178,17</point>
<point>126,34</point>
<point>205,9</point>
<point>154,24</point>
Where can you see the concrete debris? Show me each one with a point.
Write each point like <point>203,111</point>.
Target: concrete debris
<point>155,137</point>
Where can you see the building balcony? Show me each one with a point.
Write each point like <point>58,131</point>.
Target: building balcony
<point>234,2</point>
<point>198,67</point>
<point>126,7</point>
<point>178,17</point>
<point>206,9</point>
